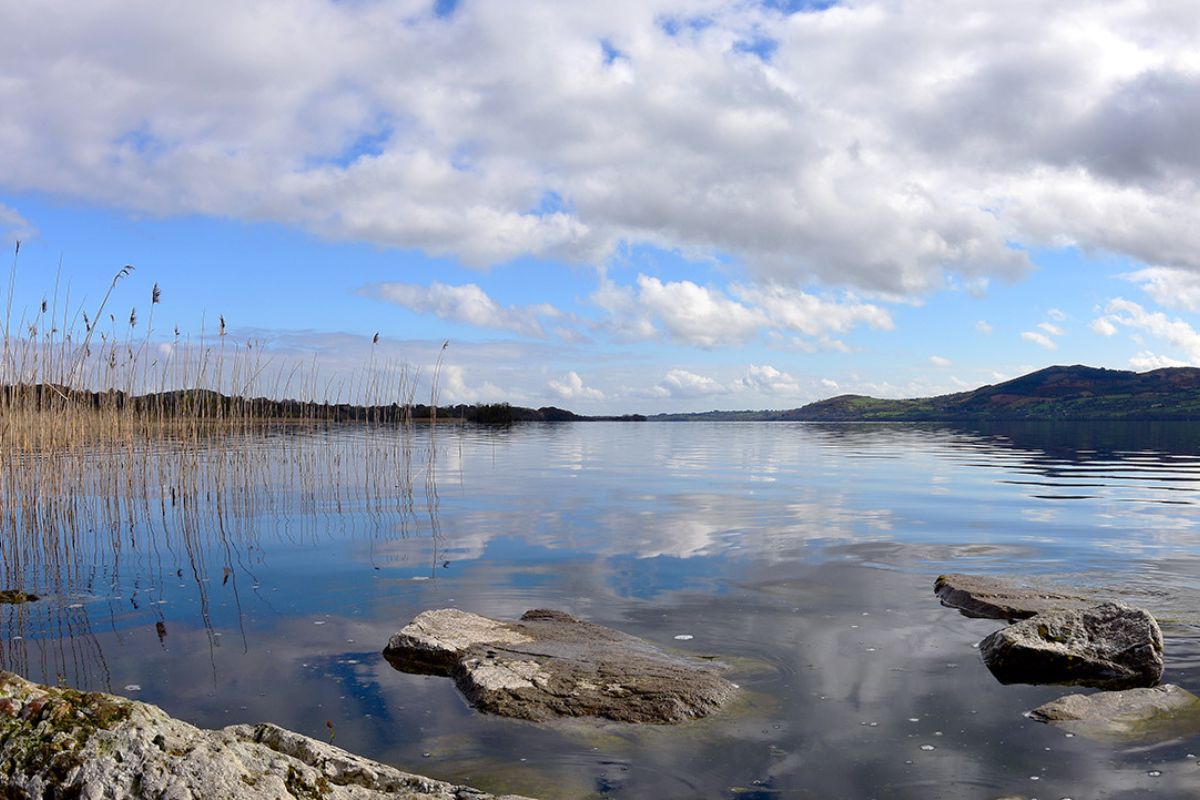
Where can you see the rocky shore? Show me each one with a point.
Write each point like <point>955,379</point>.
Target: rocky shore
<point>59,743</point>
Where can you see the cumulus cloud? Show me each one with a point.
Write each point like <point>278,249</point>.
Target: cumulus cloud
<point>1172,288</point>
<point>680,383</point>
<point>1040,339</point>
<point>940,361</point>
<point>863,149</point>
<point>1050,328</point>
<point>13,226</point>
<point>1122,313</point>
<point>467,304</point>
<point>769,380</point>
<point>1145,360</point>
<point>1045,330</point>
<point>704,316</point>
<point>571,387</point>
<point>984,327</point>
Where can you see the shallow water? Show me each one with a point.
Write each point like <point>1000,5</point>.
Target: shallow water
<point>260,579</point>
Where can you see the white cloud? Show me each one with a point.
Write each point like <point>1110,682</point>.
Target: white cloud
<point>1058,315</point>
<point>1103,327</point>
<point>1040,339</point>
<point>829,383</point>
<point>708,317</point>
<point>867,151</point>
<point>467,303</point>
<point>1050,328</point>
<point>1173,288</point>
<point>983,327</point>
<point>680,383</point>
<point>940,361</point>
<point>1145,360</point>
<point>571,387</point>
<point>769,380</point>
<point>13,226</point>
<point>1120,312</point>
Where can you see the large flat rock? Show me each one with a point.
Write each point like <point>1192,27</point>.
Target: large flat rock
<point>1109,646</point>
<point>1146,714</point>
<point>550,664</point>
<point>986,597</point>
<point>59,743</point>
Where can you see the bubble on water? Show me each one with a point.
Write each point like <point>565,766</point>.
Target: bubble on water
<point>1034,778</point>
<point>685,637</point>
<point>75,605</point>
<point>913,719</point>
<point>1070,736</point>
<point>318,622</point>
<point>937,733</point>
<point>132,687</point>
<point>1155,773</point>
<point>928,747</point>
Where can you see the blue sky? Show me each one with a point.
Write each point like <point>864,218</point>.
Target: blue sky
<point>659,205</point>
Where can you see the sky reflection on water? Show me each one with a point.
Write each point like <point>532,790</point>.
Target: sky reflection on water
<point>802,555</point>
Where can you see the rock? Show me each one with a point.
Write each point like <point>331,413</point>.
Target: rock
<point>1158,713</point>
<point>994,598</point>
<point>550,664</point>
<point>57,742</point>
<point>16,597</point>
<point>1110,646</point>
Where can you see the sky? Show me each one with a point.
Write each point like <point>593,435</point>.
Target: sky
<point>628,206</point>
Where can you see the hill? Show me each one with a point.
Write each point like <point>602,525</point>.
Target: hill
<point>1054,393</point>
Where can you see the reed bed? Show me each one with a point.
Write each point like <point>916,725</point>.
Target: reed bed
<point>117,443</point>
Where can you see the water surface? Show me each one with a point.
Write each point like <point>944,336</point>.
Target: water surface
<point>259,578</point>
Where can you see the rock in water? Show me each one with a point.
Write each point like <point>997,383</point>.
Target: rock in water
<point>57,742</point>
<point>1110,646</point>
<point>994,598</point>
<point>550,664</point>
<point>1159,713</point>
<point>16,597</point>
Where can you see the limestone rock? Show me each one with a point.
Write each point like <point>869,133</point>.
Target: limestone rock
<point>995,598</point>
<point>1110,646</point>
<point>1158,713</point>
<point>57,742</point>
<point>550,664</point>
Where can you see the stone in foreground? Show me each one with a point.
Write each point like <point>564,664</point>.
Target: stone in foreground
<point>58,742</point>
<point>985,597</point>
<point>16,597</point>
<point>1158,713</point>
<point>1110,646</point>
<point>550,664</point>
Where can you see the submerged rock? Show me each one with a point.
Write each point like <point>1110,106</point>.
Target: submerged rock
<point>16,597</point>
<point>985,597</point>
<point>57,742</point>
<point>1158,713</point>
<point>550,664</point>
<point>1110,646</point>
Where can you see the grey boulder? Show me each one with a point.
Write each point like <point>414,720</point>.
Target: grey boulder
<point>57,742</point>
<point>995,598</point>
<point>1109,646</point>
<point>549,665</point>
<point>1158,713</point>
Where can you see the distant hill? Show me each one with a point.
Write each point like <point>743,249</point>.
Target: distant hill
<point>1054,393</point>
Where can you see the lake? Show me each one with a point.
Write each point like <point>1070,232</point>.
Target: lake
<point>257,578</point>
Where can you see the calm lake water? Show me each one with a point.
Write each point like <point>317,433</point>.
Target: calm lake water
<point>259,579</point>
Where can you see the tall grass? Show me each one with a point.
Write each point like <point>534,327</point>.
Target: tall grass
<point>115,440</point>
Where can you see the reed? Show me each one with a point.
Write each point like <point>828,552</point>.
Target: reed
<point>116,440</point>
